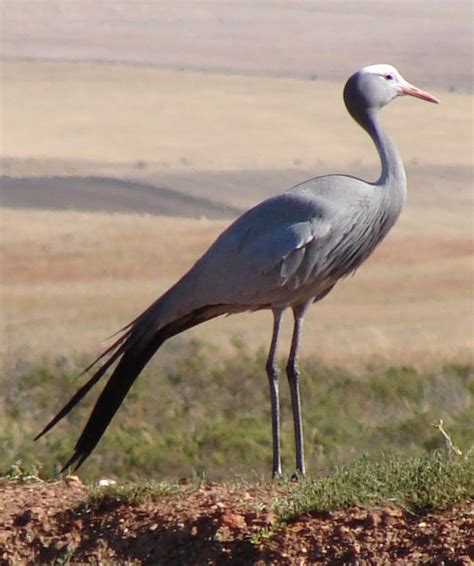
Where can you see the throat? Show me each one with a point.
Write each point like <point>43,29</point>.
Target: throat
<point>393,172</point>
<point>392,177</point>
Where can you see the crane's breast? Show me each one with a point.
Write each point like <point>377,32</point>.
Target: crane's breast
<point>355,237</point>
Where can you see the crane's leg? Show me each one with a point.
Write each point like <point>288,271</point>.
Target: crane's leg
<point>293,374</point>
<point>273,380</point>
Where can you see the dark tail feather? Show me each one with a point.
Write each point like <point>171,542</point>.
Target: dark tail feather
<point>136,347</point>
<point>135,331</point>
<point>126,372</point>
<point>82,392</point>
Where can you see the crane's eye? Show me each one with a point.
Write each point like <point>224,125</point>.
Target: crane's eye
<point>389,77</point>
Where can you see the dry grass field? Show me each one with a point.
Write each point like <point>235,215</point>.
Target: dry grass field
<point>82,118</point>
<point>70,278</point>
<point>323,38</point>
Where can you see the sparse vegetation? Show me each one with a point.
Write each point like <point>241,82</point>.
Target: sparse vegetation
<point>420,485</point>
<point>192,416</point>
<point>99,498</point>
<point>17,473</point>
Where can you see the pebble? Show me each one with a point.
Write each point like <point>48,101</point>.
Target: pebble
<point>73,481</point>
<point>104,482</point>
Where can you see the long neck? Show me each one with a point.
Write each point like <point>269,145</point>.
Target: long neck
<point>393,173</point>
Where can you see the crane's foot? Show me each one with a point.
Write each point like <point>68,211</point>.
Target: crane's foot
<point>297,476</point>
<point>277,474</point>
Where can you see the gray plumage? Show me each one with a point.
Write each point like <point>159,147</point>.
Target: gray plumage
<point>287,252</point>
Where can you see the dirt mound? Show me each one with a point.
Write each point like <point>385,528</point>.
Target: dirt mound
<point>216,524</point>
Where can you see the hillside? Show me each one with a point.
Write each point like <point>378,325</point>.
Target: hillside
<point>105,194</point>
<point>334,37</point>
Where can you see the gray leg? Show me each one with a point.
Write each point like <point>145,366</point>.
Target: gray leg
<point>273,380</point>
<point>293,374</point>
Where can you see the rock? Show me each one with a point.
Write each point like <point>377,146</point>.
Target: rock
<point>269,519</point>
<point>373,519</point>
<point>232,520</point>
<point>393,512</point>
<point>73,481</point>
<point>105,482</point>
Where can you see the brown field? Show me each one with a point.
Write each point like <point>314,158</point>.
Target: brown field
<point>88,118</point>
<point>70,278</point>
<point>328,39</point>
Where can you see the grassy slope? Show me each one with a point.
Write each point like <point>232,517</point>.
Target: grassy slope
<point>192,415</point>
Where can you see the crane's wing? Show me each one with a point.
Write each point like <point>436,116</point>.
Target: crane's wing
<point>287,255</point>
<point>272,250</point>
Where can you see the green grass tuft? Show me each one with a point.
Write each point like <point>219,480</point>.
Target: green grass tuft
<point>17,473</point>
<point>420,485</point>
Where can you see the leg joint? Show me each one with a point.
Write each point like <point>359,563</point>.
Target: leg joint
<point>292,370</point>
<point>272,371</point>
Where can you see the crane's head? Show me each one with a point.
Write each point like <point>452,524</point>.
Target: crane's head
<point>377,85</point>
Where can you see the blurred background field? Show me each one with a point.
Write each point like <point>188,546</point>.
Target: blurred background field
<point>130,137</point>
<point>191,414</point>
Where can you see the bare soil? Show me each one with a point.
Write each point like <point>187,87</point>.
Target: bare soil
<point>216,524</point>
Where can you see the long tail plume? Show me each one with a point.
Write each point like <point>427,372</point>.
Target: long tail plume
<point>135,349</point>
